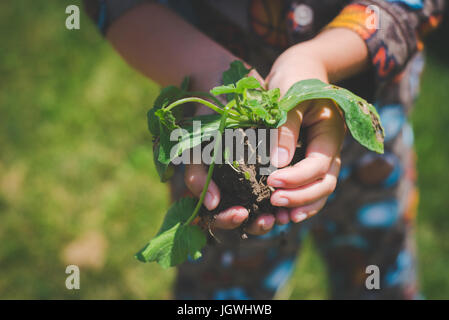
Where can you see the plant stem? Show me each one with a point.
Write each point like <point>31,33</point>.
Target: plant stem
<point>211,166</point>
<point>208,95</point>
<point>201,101</point>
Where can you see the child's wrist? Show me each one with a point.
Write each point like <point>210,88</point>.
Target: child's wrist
<point>293,65</point>
<point>341,51</point>
<point>311,60</point>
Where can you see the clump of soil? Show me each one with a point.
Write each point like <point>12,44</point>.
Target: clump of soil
<point>242,184</point>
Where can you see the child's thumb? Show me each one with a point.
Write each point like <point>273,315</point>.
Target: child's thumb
<point>195,178</point>
<point>282,154</point>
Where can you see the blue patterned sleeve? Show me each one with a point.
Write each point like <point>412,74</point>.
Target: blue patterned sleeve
<point>392,29</point>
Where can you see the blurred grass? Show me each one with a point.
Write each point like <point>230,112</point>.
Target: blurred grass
<point>430,121</point>
<point>77,181</point>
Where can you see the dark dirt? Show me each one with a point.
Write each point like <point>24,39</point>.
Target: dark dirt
<point>241,184</point>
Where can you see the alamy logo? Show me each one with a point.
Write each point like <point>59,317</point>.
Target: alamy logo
<point>73,280</point>
<point>73,20</point>
<point>373,280</point>
<point>373,20</point>
<point>250,146</point>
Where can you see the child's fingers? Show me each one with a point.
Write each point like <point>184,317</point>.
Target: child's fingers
<point>282,153</point>
<point>301,213</point>
<point>310,193</point>
<point>302,173</point>
<point>325,137</point>
<point>262,225</point>
<point>231,218</point>
<point>282,216</point>
<point>195,177</point>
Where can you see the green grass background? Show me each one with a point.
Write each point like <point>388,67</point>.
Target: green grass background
<point>77,181</point>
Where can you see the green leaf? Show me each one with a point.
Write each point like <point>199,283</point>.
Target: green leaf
<point>166,118</point>
<point>281,117</point>
<point>167,95</point>
<point>273,95</point>
<point>164,170</point>
<point>163,154</point>
<point>161,123</point>
<point>253,97</point>
<point>362,119</point>
<point>209,126</point>
<point>247,83</point>
<point>185,84</point>
<point>261,112</point>
<point>236,71</point>
<point>165,145</point>
<point>264,107</point>
<point>223,89</point>
<point>153,122</point>
<point>175,242</point>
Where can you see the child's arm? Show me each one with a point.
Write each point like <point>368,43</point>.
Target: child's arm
<point>347,48</point>
<point>331,56</point>
<point>165,48</point>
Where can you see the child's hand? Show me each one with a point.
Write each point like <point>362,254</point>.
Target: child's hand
<point>305,186</point>
<point>231,218</point>
<point>195,178</point>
